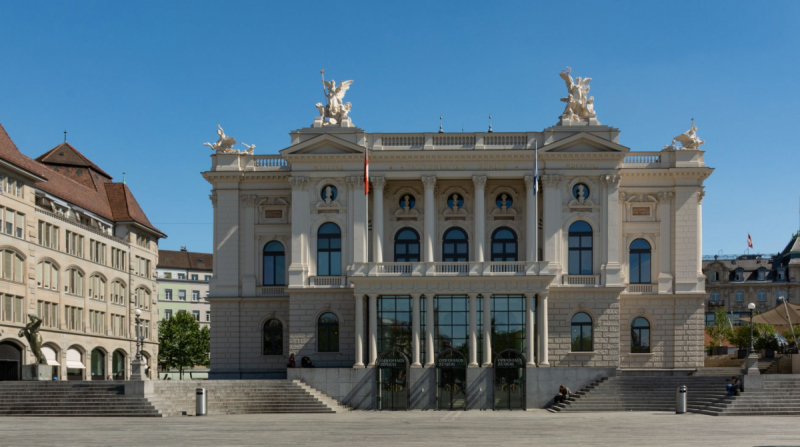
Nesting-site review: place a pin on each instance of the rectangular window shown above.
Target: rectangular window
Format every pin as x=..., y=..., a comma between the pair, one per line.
x=739, y=296
x=181, y=276
x=73, y=317
x=74, y=244
x=118, y=259
x=195, y=295
x=451, y=317
x=97, y=251
x=208, y=277
x=196, y=314
x=715, y=296
x=20, y=227
x=146, y=329
x=48, y=235
x=208, y=316
x=168, y=294
x=762, y=295
x=182, y=295
x=394, y=323
x=97, y=321
x=710, y=318
x=194, y=277
x=167, y=313
x=508, y=323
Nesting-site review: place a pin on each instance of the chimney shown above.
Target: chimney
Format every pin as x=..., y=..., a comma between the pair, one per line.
x=183, y=248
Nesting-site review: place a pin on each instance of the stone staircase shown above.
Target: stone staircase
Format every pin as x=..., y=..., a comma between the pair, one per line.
x=644, y=393
x=780, y=397
x=175, y=398
x=71, y=399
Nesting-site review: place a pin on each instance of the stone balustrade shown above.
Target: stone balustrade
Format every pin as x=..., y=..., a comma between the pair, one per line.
x=472, y=268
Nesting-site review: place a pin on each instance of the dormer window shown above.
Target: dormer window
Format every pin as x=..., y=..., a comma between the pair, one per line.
x=762, y=274
x=781, y=275
x=714, y=276
x=739, y=275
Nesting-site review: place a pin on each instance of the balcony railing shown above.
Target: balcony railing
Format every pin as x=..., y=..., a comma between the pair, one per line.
x=712, y=303
x=581, y=280
x=469, y=141
x=642, y=160
x=271, y=291
x=270, y=163
x=641, y=288
x=521, y=268
x=327, y=281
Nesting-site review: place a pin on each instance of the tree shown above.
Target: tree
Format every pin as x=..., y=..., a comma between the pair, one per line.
x=787, y=334
x=720, y=330
x=182, y=344
x=741, y=336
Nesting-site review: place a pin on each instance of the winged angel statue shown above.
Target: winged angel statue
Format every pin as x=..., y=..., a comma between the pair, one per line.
x=580, y=106
x=336, y=111
x=688, y=140
x=224, y=144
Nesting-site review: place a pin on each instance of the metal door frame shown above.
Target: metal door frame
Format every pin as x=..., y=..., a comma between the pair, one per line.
x=521, y=357
x=464, y=358
x=378, y=369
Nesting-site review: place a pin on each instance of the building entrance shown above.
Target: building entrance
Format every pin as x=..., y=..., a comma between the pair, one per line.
x=10, y=361
x=392, y=376
x=451, y=380
x=509, y=380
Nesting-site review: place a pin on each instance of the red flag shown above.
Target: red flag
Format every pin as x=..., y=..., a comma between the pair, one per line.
x=749, y=241
x=366, y=172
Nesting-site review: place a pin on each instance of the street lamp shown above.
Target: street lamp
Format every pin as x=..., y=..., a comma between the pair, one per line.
x=138, y=313
x=751, y=307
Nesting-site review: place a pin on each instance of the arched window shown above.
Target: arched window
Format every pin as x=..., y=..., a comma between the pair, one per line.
x=97, y=287
x=47, y=275
x=98, y=365
x=504, y=245
x=11, y=268
x=273, y=337
x=455, y=246
x=328, y=333
x=406, y=246
x=118, y=365
x=580, y=248
x=74, y=282
x=640, y=335
x=581, y=332
x=329, y=250
x=640, y=262
x=274, y=264
x=117, y=295
x=142, y=298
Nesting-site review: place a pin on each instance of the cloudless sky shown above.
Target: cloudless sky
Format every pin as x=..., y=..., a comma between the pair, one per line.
x=140, y=86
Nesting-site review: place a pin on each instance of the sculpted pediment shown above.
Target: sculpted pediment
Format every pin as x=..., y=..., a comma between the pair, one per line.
x=582, y=143
x=324, y=144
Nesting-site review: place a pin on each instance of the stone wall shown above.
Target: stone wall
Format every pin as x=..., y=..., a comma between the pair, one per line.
x=305, y=309
x=676, y=331
x=603, y=307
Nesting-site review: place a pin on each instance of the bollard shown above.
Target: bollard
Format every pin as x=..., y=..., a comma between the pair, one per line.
x=680, y=399
x=201, y=402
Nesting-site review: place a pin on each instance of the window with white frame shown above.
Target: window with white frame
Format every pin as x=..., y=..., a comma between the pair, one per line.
x=194, y=277
x=48, y=312
x=48, y=235
x=97, y=251
x=73, y=318
x=195, y=295
x=10, y=266
x=168, y=294
x=47, y=275
x=196, y=315
x=208, y=316
x=74, y=284
x=181, y=295
x=10, y=186
x=74, y=244
x=97, y=322
x=97, y=287
x=117, y=292
x=167, y=314
x=208, y=278
x=12, y=222
x=181, y=276
x=142, y=298
x=118, y=259
x=118, y=328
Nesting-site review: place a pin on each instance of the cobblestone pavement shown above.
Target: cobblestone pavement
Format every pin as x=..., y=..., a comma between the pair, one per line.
x=405, y=429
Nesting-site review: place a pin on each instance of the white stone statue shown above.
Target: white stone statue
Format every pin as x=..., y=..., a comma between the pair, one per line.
x=580, y=106
x=224, y=144
x=687, y=139
x=336, y=110
x=250, y=148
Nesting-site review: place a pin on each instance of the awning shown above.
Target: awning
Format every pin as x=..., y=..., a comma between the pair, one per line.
x=50, y=355
x=780, y=315
x=74, y=359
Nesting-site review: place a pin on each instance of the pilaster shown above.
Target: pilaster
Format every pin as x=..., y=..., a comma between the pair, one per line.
x=552, y=220
x=613, y=268
x=665, y=250
x=429, y=182
x=480, y=216
x=248, y=244
x=378, y=184
x=298, y=270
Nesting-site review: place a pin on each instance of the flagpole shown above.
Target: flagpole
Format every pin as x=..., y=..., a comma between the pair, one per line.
x=366, y=199
x=536, y=202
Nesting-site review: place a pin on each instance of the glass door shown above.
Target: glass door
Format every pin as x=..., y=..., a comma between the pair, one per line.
x=509, y=380
x=451, y=380
x=392, y=381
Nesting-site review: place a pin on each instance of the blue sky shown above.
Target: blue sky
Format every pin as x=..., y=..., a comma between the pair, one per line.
x=141, y=85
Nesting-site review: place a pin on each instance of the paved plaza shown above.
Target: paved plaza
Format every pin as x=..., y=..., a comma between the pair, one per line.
x=406, y=428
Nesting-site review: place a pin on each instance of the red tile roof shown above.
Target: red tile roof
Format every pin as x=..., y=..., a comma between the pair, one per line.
x=112, y=201
x=185, y=260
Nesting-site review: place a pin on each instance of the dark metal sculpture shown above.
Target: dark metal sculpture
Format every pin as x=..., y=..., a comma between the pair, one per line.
x=31, y=333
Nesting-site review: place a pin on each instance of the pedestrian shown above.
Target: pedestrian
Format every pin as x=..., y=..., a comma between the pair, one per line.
x=291, y=363
x=734, y=387
x=563, y=394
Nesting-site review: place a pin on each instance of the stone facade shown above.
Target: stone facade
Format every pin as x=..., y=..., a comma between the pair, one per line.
x=183, y=278
x=85, y=265
x=455, y=197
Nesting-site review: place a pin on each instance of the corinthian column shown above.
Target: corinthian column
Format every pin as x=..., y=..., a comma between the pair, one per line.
x=531, y=221
x=359, y=363
x=479, y=214
x=430, y=216
x=378, y=183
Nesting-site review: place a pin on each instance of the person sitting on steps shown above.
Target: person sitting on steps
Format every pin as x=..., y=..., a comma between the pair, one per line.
x=291, y=363
x=305, y=362
x=735, y=387
x=563, y=394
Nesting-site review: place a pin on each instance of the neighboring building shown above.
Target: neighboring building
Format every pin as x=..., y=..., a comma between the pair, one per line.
x=79, y=252
x=450, y=257
x=183, y=278
x=733, y=282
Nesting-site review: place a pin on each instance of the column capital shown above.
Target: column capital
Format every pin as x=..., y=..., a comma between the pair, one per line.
x=700, y=196
x=213, y=198
x=552, y=180
x=528, y=181
x=248, y=199
x=665, y=196
x=415, y=295
x=473, y=294
x=298, y=182
x=479, y=181
x=429, y=181
x=378, y=183
x=355, y=181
